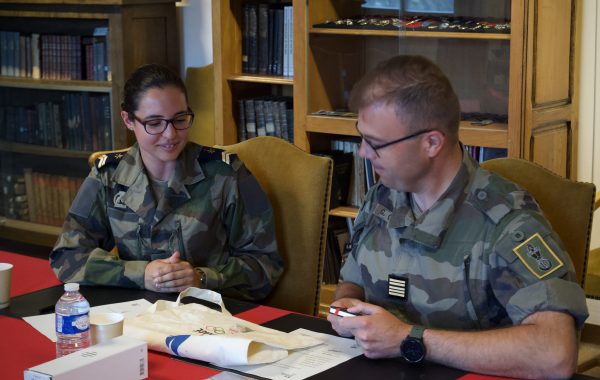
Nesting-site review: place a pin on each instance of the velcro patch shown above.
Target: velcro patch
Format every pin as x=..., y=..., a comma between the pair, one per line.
x=398, y=287
x=537, y=256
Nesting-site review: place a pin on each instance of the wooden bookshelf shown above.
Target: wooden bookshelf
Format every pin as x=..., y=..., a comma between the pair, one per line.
x=541, y=124
x=136, y=32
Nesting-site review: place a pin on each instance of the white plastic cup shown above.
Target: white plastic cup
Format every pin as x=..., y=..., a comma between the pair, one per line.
x=5, y=276
x=105, y=326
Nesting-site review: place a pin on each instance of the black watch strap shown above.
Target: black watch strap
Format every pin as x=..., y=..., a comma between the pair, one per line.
x=417, y=332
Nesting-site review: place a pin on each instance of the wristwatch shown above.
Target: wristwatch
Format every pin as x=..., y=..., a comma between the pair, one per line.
x=412, y=348
x=202, y=275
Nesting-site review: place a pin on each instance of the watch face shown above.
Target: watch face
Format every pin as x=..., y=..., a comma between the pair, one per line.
x=412, y=350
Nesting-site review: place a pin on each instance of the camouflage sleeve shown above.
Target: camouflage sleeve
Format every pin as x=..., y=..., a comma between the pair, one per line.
x=530, y=271
x=254, y=264
x=83, y=251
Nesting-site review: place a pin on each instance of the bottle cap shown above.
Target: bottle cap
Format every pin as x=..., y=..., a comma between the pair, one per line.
x=71, y=286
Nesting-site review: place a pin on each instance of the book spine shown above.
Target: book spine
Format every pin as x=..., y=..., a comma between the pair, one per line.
x=270, y=42
x=3, y=53
x=262, y=39
x=245, y=37
x=291, y=41
x=283, y=120
x=252, y=39
x=250, y=118
x=269, y=119
x=286, y=40
x=30, y=191
x=278, y=42
x=241, y=126
x=259, y=109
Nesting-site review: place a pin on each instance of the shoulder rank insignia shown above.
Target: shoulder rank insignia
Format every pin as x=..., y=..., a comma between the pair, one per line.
x=207, y=153
x=537, y=256
x=109, y=158
x=211, y=154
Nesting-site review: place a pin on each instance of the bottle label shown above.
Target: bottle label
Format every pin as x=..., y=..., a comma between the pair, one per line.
x=72, y=324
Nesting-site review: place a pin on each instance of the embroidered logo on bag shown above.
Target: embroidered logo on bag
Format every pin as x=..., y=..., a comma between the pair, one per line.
x=537, y=256
x=398, y=287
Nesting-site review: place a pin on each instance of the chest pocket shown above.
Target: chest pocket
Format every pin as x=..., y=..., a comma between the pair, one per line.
x=160, y=242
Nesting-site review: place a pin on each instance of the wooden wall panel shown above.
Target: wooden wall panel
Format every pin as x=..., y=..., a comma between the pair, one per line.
x=549, y=147
x=552, y=52
x=153, y=48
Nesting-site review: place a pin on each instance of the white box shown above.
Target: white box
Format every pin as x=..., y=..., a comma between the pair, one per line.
x=118, y=358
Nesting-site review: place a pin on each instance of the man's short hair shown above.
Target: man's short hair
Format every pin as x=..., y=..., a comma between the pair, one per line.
x=420, y=92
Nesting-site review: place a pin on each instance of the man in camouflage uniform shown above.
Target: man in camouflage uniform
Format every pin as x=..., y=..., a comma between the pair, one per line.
x=211, y=214
x=446, y=253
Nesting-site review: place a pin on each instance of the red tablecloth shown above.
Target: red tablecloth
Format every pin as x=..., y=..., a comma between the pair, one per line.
x=22, y=347
x=29, y=273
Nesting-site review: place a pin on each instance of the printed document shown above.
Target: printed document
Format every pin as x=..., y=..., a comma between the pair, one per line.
x=304, y=363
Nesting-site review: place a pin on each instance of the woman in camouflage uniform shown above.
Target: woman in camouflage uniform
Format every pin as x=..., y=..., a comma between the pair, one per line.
x=177, y=214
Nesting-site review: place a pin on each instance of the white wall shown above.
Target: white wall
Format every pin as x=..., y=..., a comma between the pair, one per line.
x=195, y=33
x=589, y=111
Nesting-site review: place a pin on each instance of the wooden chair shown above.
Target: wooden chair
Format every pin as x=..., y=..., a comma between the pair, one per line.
x=592, y=280
x=569, y=207
x=298, y=185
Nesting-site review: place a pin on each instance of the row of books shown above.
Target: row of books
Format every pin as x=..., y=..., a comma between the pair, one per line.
x=13, y=198
x=78, y=121
x=266, y=116
x=38, y=197
x=362, y=176
x=267, y=39
x=53, y=56
x=480, y=153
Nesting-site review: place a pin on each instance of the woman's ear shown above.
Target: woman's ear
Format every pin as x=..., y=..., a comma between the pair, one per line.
x=128, y=123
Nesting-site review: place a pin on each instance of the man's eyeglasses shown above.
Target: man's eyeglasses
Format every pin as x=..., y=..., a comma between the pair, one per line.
x=381, y=146
x=158, y=126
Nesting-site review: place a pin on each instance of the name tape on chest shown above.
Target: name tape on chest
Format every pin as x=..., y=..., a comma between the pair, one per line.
x=398, y=287
x=537, y=256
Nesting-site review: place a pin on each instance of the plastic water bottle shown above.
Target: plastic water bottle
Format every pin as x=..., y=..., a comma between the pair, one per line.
x=72, y=321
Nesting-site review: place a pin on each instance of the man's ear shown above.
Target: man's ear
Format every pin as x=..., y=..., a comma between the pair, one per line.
x=128, y=123
x=435, y=142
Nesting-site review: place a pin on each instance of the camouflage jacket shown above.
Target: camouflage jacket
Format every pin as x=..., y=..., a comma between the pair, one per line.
x=214, y=213
x=482, y=256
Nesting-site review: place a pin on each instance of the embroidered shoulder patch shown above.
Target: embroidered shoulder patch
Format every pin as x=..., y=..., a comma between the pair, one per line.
x=537, y=256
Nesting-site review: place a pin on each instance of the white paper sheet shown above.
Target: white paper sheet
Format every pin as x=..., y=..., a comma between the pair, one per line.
x=45, y=323
x=301, y=364
x=594, y=309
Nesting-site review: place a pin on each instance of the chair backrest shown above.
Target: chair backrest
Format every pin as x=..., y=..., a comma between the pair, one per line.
x=298, y=185
x=568, y=205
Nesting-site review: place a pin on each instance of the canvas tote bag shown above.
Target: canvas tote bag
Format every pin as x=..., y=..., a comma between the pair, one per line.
x=198, y=332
